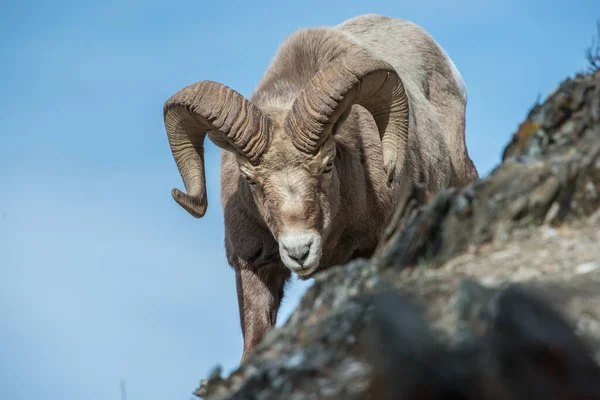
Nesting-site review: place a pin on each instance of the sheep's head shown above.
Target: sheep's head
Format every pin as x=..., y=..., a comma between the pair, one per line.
x=297, y=195
x=288, y=160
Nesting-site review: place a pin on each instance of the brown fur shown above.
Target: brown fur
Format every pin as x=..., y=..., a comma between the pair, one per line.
x=348, y=207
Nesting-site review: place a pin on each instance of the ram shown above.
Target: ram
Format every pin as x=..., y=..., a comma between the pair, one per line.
x=315, y=160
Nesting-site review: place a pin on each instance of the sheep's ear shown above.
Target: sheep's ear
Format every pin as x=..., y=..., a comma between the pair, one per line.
x=408, y=362
x=539, y=354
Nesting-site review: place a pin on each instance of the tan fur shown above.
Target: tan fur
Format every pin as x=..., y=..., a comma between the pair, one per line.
x=350, y=206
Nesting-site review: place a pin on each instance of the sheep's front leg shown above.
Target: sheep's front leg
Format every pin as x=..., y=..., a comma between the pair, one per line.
x=259, y=292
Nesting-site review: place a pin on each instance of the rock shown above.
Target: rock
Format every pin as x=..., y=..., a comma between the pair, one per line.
x=453, y=261
x=586, y=268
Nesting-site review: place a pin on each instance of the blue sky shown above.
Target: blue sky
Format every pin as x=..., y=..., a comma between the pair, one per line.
x=104, y=276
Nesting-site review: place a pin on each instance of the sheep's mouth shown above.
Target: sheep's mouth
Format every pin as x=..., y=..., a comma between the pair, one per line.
x=304, y=271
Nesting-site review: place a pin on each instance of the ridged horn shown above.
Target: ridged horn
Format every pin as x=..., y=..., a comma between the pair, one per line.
x=210, y=106
x=356, y=78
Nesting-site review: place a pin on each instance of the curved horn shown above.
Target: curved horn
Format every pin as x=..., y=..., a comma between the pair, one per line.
x=210, y=106
x=356, y=78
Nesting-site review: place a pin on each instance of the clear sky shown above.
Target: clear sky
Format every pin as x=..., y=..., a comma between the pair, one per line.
x=103, y=276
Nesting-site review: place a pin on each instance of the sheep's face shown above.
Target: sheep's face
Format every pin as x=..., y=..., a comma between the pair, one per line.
x=297, y=195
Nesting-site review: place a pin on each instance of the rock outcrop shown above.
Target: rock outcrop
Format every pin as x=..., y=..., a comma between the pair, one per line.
x=533, y=221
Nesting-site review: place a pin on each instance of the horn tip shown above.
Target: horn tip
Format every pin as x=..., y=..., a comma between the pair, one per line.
x=195, y=206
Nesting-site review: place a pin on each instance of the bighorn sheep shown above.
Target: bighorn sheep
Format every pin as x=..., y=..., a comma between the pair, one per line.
x=313, y=163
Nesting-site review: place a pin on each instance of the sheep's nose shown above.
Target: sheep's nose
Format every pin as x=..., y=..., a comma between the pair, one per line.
x=298, y=251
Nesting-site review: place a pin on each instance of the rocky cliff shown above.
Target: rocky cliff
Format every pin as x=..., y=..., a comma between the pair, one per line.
x=451, y=262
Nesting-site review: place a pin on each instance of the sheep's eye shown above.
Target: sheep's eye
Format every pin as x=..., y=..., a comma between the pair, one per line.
x=328, y=167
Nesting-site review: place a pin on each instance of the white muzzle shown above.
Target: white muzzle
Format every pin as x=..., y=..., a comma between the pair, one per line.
x=300, y=251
